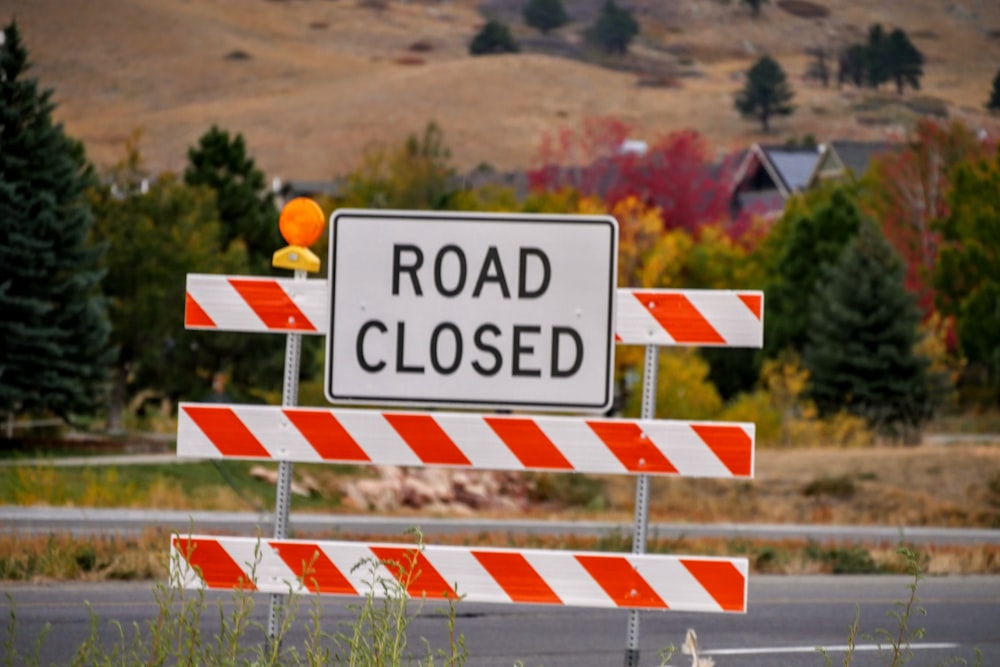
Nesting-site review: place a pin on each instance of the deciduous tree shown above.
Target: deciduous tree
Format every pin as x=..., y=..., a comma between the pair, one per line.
x=908, y=189
x=416, y=175
x=676, y=173
x=967, y=276
x=766, y=93
x=54, y=351
x=159, y=233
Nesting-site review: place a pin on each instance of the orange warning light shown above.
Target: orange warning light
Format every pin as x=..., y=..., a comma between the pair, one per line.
x=301, y=222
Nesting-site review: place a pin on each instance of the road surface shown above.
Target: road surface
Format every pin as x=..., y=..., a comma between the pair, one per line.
x=788, y=618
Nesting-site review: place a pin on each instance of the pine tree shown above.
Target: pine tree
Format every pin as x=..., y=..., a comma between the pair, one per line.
x=494, y=38
x=766, y=94
x=877, y=57
x=614, y=29
x=860, y=351
x=245, y=203
x=53, y=323
x=993, y=104
x=905, y=62
x=545, y=15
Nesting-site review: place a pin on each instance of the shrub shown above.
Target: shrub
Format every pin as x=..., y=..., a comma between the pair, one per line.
x=494, y=38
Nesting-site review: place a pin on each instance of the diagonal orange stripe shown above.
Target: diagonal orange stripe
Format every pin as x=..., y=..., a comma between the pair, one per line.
x=754, y=302
x=621, y=581
x=195, y=315
x=216, y=567
x=528, y=443
x=722, y=580
x=272, y=304
x=678, y=316
x=229, y=435
x=514, y=574
x=314, y=568
x=636, y=452
x=731, y=444
x=327, y=435
x=412, y=569
x=427, y=440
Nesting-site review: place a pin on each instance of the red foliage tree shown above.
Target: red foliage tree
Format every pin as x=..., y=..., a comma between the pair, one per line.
x=675, y=174
x=910, y=190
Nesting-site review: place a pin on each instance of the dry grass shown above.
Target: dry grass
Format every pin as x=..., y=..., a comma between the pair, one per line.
x=318, y=81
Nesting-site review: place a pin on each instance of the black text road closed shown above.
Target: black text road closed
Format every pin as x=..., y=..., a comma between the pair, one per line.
x=480, y=310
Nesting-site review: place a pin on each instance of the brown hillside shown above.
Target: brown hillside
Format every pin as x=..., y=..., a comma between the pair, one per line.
x=310, y=83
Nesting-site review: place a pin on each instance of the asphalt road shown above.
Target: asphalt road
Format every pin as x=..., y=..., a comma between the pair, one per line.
x=788, y=619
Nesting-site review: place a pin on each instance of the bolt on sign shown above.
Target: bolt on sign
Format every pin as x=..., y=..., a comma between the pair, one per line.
x=469, y=309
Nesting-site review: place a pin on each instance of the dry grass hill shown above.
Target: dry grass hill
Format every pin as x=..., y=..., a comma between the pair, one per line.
x=311, y=83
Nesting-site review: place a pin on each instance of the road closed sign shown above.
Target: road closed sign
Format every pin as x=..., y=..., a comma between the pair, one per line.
x=499, y=311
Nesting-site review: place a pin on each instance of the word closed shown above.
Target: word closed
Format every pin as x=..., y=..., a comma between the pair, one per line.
x=471, y=309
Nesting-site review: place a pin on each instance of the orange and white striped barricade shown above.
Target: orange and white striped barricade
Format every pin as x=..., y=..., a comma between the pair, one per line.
x=464, y=440
x=522, y=576
x=665, y=317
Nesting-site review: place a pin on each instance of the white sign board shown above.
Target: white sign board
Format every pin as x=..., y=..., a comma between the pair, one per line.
x=469, y=309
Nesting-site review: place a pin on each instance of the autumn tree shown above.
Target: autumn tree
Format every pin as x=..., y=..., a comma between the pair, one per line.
x=493, y=38
x=860, y=349
x=545, y=15
x=676, y=173
x=245, y=204
x=614, y=29
x=416, y=175
x=54, y=329
x=967, y=275
x=766, y=93
x=908, y=189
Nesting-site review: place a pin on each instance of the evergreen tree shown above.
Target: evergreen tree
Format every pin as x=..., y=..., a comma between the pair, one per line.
x=810, y=242
x=754, y=6
x=905, y=62
x=545, y=15
x=245, y=203
x=614, y=29
x=860, y=351
x=852, y=64
x=877, y=56
x=766, y=94
x=54, y=352
x=993, y=104
x=494, y=38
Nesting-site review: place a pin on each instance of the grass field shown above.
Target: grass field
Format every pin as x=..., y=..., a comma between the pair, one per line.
x=312, y=83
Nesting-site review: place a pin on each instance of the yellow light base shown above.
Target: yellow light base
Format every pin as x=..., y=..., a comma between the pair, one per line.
x=296, y=257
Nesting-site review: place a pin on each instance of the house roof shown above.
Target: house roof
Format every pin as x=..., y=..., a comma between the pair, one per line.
x=789, y=167
x=841, y=157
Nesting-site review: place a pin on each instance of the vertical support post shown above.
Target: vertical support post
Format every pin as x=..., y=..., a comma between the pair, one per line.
x=649, y=382
x=289, y=398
